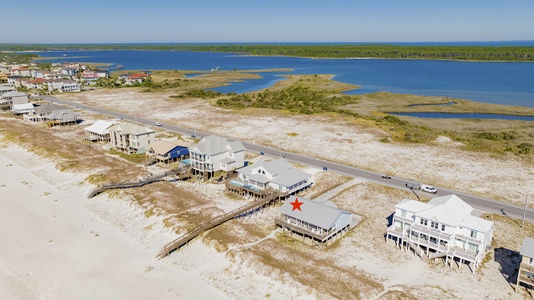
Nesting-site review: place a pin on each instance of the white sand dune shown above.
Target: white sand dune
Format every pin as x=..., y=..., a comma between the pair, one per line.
x=53, y=247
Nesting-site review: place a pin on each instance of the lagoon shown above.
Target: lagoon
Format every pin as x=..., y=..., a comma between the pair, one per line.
x=508, y=83
x=437, y=115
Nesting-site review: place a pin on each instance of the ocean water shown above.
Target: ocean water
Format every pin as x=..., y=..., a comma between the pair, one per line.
x=509, y=83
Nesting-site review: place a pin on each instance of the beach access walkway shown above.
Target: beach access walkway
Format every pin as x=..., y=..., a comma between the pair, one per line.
x=179, y=173
x=243, y=211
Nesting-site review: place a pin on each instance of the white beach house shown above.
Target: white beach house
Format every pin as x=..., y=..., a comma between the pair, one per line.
x=99, y=131
x=130, y=137
x=443, y=227
x=526, y=267
x=214, y=153
x=277, y=174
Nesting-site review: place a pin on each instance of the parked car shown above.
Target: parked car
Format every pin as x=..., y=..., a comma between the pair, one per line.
x=158, y=124
x=428, y=189
x=386, y=176
x=413, y=185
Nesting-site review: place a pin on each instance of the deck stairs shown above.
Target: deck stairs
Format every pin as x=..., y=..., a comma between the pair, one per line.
x=417, y=249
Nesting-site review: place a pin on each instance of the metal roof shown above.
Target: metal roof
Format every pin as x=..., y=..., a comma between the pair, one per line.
x=449, y=210
x=280, y=170
x=163, y=147
x=101, y=126
x=211, y=145
x=315, y=213
x=129, y=128
x=528, y=247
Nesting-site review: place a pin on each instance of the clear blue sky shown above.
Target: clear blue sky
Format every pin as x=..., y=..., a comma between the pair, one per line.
x=121, y=21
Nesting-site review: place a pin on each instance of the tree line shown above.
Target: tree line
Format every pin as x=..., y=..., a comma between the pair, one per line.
x=478, y=53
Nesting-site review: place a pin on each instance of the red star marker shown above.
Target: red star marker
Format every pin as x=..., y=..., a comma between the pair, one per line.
x=296, y=204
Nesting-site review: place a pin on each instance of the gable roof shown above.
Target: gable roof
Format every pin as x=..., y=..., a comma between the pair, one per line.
x=101, y=126
x=212, y=144
x=318, y=214
x=14, y=94
x=280, y=169
x=452, y=202
x=290, y=177
x=449, y=210
x=528, y=247
x=129, y=128
x=163, y=147
x=48, y=108
x=22, y=106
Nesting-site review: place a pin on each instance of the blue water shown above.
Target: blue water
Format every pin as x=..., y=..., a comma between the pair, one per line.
x=509, y=83
x=462, y=116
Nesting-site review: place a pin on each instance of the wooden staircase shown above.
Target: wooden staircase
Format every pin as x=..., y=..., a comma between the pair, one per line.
x=417, y=249
x=242, y=211
x=180, y=173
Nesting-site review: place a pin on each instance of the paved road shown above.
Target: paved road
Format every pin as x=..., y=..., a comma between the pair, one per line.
x=480, y=203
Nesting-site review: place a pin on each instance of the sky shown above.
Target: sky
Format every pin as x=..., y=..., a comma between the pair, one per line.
x=178, y=21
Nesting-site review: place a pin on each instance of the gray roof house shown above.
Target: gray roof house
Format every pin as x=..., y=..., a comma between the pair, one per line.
x=277, y=174
x=442, y=228
x=318, y=223
x=130, y=137
x=215, y=153
x=53, y=114
x=526, y=267
x=8, y=99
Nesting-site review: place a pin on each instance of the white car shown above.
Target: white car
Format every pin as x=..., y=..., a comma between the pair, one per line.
x=428, y=189
x=158, y=124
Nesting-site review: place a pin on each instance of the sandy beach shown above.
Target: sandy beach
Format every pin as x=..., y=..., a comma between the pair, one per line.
x=56, y=246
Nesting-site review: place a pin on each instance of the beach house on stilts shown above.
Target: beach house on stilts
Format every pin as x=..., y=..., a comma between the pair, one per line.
x=526, y=267
x=316, y=223
x=442, y=228
x=213, y=154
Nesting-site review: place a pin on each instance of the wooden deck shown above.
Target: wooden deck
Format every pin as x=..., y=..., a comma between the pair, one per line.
x=179, y=173
x=242, y=211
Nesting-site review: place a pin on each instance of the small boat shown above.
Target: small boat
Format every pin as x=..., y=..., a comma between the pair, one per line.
x=65, y=54
x=118, y=67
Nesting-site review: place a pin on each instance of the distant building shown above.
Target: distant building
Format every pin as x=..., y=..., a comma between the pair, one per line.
x=21, y=109
x=526, y=267
x=131, y=138
x=136, y=78
x=443, y=227
x=7, y=100
x=6, y=87
x=314, y=222
x=214, y=153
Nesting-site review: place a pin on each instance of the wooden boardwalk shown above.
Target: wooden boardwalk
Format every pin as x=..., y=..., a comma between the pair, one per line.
x=180, y=173
x=242, y=211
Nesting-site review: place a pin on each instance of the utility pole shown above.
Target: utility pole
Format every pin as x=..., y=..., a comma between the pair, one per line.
x=524, y=212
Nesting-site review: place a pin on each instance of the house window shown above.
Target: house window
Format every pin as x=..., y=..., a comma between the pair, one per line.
x=434, y=225
x=471, y=246
x=403, y=213
x=473, y=234
x=531, y=260
x=442, y=227
x=424, y=222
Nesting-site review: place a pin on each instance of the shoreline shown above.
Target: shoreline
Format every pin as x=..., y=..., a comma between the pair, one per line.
x=49, y=224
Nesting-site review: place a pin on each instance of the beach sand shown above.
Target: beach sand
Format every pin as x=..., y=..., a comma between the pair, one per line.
x=54, y=245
